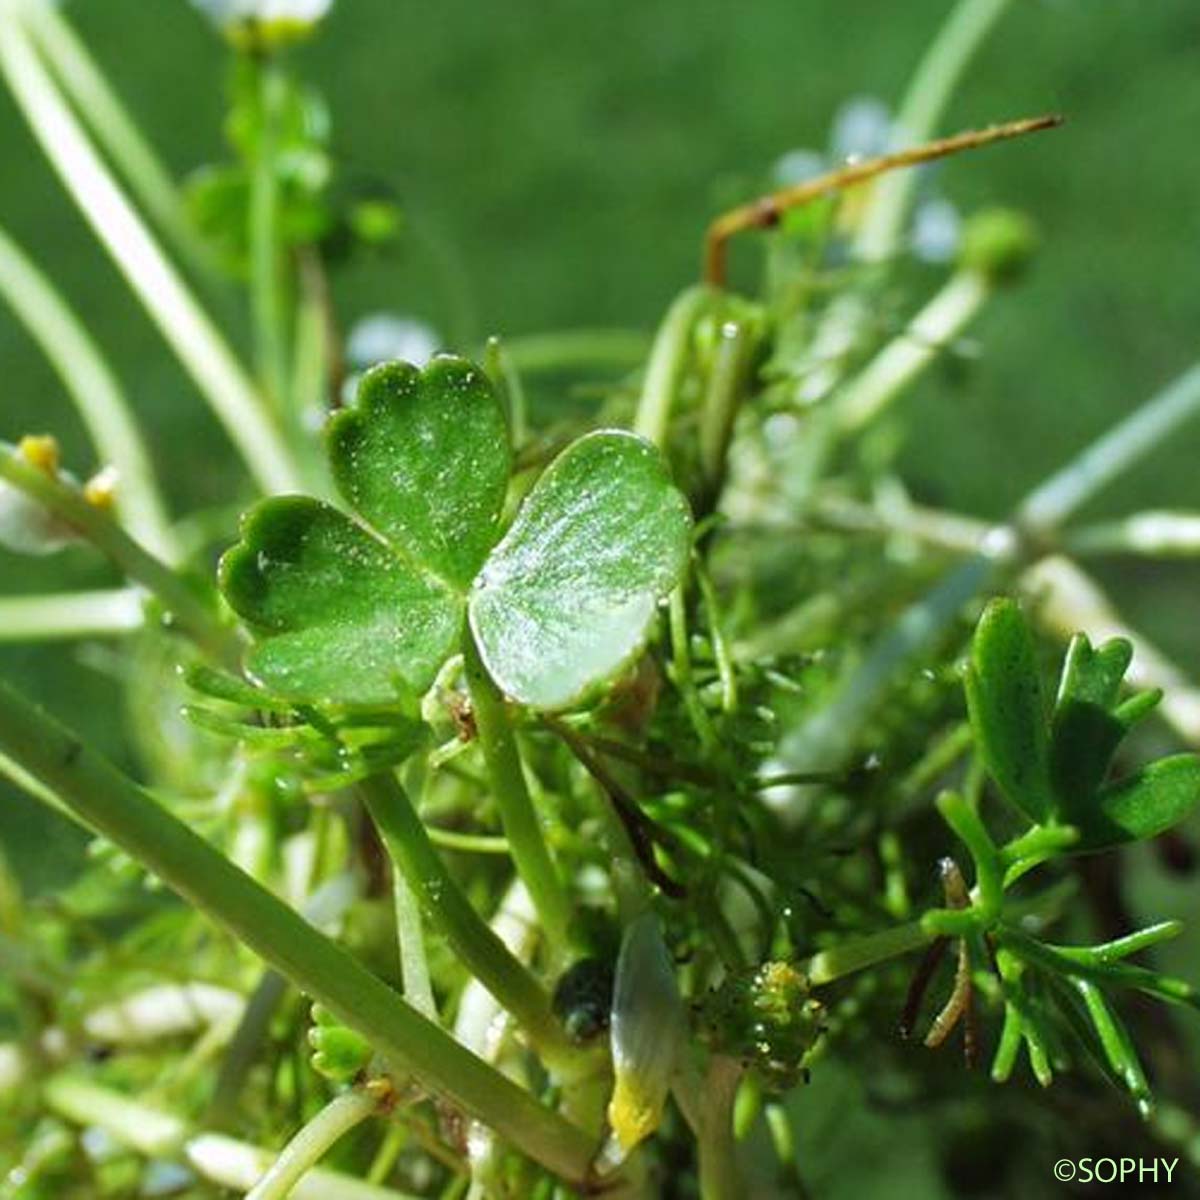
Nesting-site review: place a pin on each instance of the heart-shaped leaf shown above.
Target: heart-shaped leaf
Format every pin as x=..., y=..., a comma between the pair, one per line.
x=1008, y=716
x=424, y=458
x=565, y=599
x=1140, y=806
x=339, y=615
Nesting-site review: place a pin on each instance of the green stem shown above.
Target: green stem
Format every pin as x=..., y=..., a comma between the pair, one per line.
x=443, y=901
x=414, y=968
x=828, y=965
x=1151, y=534
x=221, y=1160
x=117, y=808
x=115, y=129
x=66, y=503
x=313, y=1142
x=184, y=325
x=90, y=383
x=722, y=400
x=521, y=824
x=619, y=348
x=668, y=363
x=1046, y=507
x=903, y=359
x=266, y=260
x=70, y=615
x=933, y=84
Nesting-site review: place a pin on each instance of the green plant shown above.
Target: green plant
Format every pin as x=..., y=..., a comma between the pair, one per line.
x=575, y=786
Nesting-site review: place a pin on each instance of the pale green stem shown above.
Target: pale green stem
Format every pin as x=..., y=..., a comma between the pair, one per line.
x=906, y=357
x=522, y=826
x=443, y=902
x=89, y=381
x=618, y=348
x=933, y=84
x=117, y=132
x=859, y=953
x=117, y=808
x=184, y=325
x=1148, y=534
x=1121, y=448
x=266, y=259
x=668, y=363
x=722, y=399
x=70, y=615
x=313, y=1142
x=720, y=1178
x=98, y=527
x=414, y=969
x=221, y=1160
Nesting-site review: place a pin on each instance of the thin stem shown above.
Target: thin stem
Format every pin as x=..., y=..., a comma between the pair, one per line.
x=70, y=615
x=619, y=348
x=933, y=84
x=1149, y=426
x=722, y=400
x=68, y=504
x=117, y=132
x=668, y=363
x=89, y=381
x=443, y=901
x=266, y=260
x=838, y=961
x=156, y=1134
x=1152, y=534
x=313, y=1142
x=903, y=359
x=414, y=969
x=117, y=808
x=521, y=824
x=184, y=325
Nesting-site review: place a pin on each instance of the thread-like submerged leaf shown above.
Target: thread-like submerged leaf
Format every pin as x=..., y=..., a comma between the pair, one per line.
x=1004, y=697
x=565, y=599
x=338, y=614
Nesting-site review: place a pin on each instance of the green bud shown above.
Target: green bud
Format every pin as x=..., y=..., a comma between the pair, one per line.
x=998, y=243
x=339, y=1053
x=766, y=1017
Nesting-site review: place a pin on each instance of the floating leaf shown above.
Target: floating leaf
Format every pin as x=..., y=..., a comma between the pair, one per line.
x=1142, y=805
x=1004, y=697
x=424, y=458
x=565, y=599
x=339, y=614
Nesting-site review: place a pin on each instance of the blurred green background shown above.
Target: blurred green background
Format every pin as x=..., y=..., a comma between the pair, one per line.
x=558, y=163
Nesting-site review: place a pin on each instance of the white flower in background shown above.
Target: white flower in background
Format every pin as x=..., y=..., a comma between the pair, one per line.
x=936, y=231
x=798, y=166
x=862, y=128
x=382, y=337
x=266, y=21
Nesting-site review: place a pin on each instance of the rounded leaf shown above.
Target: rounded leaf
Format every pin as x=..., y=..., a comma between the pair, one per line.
x=339, y=615
x=423, y=457
x=565, y=600
x=1141, y=805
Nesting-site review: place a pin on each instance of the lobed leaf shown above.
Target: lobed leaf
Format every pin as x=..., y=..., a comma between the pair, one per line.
x=565, y=599
x=339, y=614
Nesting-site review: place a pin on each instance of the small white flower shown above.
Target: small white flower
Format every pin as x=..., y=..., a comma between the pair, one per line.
x=275, y=20
x=862, y=128
x=936, y=231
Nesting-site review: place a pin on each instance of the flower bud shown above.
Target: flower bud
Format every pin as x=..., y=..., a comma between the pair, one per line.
x=264, y=24
x=27, y=527
x=339, y=1053
x=999, y=244
x=647, y=1032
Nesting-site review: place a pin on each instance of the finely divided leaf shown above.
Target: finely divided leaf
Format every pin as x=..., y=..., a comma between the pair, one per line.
x=565, y=599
